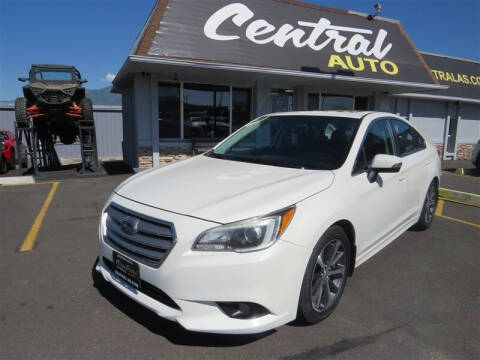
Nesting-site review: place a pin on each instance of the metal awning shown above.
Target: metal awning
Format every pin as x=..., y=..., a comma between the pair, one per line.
x=191, y=70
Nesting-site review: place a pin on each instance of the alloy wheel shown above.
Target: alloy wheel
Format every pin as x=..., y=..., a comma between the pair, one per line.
x=430, y=203
x=328, y=275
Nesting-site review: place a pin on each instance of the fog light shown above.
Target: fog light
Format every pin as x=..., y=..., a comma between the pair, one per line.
x=242, y=310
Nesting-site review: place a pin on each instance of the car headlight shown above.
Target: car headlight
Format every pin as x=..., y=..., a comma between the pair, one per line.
x=70, y=91
x=36, y=91
x=103, y=224
x=248, y=235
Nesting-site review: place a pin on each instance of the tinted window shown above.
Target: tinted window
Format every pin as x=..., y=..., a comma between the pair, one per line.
x=313, y=101
x=241, y=100
x=3, y=136
x=378, y=140
x=206, y=111
x=282, y=100
x=169, y=110
x=408, y=139
x=311, y=142
x=361, y=103
x=337, y=102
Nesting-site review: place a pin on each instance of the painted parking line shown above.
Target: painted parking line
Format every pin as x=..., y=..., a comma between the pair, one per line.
x=439, y=209
x=29, y=241
x=439, y=213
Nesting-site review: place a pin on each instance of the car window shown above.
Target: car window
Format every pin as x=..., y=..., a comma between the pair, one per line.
x=378, y=140
x=408, y=139
x=297, y=141
x=3, y=136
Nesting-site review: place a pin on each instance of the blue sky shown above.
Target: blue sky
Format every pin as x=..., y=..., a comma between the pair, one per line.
x=96, y=35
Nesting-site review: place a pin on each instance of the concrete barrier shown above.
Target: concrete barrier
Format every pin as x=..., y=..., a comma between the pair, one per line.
x=460, y=197
x=17, y=180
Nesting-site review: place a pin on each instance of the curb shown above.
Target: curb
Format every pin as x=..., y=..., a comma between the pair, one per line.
x=17, y=180
x=460, y=197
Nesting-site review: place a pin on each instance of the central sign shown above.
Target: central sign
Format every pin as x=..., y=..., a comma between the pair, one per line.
x=283, y=34
x=315, y=35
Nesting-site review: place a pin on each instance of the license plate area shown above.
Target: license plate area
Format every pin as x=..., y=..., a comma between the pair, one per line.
x=127, y=269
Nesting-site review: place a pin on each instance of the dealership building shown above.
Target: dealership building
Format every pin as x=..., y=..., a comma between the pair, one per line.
x=200, y=70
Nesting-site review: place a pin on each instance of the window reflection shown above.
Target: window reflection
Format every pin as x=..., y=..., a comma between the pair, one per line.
x=241, y=101
x=313, y=101
x=206, y=111
x=169, y=110
x=282, y=100
x=337, y=102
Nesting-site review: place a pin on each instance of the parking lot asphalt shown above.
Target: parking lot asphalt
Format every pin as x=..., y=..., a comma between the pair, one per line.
x=419, y=298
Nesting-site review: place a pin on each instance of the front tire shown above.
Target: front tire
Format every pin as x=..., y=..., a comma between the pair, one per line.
x=325, y=277
x=428, y=208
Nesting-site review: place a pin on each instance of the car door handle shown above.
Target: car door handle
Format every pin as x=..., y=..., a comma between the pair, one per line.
x=428, y=162
x=401, y=178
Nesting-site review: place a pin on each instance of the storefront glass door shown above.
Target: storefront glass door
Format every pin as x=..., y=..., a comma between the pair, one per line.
x=337, y=102
x=282, y=100
x=206, y=111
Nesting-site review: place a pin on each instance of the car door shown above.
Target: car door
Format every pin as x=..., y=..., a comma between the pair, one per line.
x=411, y=147
x=380, y=205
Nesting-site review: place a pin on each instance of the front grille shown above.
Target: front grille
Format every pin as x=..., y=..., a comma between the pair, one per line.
x=149, y=290
x=150, y=240
x=54, y=97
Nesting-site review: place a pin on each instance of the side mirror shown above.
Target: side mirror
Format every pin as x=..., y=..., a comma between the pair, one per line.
x=82, y=81
x=383, y=163
x=22, y=79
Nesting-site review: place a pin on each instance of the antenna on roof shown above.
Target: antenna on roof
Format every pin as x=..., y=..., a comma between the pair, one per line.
x=377, y=8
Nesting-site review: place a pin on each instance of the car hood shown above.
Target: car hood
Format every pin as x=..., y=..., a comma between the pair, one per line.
x=223, y=191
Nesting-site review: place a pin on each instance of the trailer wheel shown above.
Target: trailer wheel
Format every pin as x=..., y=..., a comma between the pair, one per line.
x=21, y=111
x=87, y=109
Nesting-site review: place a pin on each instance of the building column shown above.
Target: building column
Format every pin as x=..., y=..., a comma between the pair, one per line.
x=299, y=99
x=154, y=120
x=262, y=103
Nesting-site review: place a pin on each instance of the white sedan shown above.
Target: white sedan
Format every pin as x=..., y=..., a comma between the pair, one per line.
x=267, y=227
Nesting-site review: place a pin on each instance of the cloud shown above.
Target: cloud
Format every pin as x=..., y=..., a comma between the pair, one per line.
x=109, y=77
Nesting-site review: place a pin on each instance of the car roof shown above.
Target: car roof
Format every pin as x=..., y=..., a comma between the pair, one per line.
x=336, y=113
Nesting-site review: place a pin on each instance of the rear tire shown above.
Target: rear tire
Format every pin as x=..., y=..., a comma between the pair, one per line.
x=325, y=277
x=428, y=208
x=21, y=111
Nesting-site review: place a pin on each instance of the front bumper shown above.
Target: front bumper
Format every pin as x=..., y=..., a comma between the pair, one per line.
x=196, y=280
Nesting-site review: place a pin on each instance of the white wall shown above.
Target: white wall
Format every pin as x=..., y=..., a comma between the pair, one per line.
x=429, y=118
x=468, y=131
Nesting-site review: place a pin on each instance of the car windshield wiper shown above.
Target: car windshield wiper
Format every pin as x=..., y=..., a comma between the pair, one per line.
x=259, y=160
x=215, y=155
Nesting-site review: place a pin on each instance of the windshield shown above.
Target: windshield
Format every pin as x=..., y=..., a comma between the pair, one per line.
x=3, y=136
x=297, y=141
x=53, y=75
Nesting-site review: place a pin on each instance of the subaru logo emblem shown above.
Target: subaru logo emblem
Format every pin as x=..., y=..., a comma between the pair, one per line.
x=129, y=225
